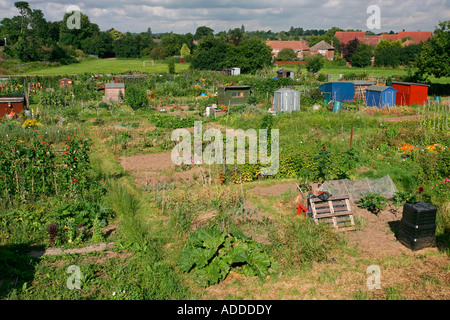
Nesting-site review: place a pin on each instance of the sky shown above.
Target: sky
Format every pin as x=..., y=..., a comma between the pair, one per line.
x=183, y=16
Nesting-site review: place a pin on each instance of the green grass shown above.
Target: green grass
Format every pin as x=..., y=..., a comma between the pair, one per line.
x=115, y=66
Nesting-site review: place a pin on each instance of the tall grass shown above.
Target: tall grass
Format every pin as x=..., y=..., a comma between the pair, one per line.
x=300, y=242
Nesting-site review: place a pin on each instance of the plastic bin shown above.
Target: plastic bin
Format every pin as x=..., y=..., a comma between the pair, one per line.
x=418, y=226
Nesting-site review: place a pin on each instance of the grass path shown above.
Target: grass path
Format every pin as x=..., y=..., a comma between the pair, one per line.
x=107, y=66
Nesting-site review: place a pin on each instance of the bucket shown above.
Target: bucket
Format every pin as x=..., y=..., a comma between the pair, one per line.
x=337, y=107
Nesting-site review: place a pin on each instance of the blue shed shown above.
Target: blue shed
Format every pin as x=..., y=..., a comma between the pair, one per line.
x=338, y=91
x=380, y=96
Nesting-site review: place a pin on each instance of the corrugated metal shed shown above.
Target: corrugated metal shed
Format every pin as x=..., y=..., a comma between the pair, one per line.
x=286, y=100
x=380, y=96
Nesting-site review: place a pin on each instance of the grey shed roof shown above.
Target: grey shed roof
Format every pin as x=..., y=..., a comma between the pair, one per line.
x=286, y=90
x=379, y=88
x=410, y=83
x=114, y=85
x=363, y=83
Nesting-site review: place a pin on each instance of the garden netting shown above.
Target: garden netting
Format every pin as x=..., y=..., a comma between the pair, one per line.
x=356, y=189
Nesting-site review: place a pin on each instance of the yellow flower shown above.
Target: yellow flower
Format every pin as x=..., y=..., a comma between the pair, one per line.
x=20, y=219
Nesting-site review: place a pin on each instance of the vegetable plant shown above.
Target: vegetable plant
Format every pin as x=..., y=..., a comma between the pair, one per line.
x=372, y=202
x=211, y=254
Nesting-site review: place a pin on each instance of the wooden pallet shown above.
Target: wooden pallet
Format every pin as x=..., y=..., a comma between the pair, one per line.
x=335, y=211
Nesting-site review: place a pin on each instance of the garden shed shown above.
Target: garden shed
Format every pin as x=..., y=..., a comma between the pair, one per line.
x=410, y=93
x=360, y=88
x=380, y=96
x=113, y=91
x=10, y=103
x=233, y=95
x=286, y=100
x=282, y=73
x=340, y=91
x=65, y=83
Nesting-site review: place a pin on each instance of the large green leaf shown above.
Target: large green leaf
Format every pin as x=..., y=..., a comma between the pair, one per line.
x=260, y=264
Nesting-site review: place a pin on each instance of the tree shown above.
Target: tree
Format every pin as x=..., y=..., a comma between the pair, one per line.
x=349, y=49
x=202, y=32
x=25, y=12
x=172, y=42
x=210, y=54
x=287, y=54
x=235, y=36
x=435, y=56
x=185, y=52
x=315, y=63
x=253, y=54
x=388, y=53
x=362, y=56
x=74, y=37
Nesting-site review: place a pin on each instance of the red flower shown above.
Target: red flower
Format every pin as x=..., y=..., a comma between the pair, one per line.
x=421, y=189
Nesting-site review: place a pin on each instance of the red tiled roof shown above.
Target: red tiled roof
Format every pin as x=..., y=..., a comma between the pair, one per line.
x=392, y=37
x=296, y=45
x=407, y=43
x=415, y=36
x=346, y=36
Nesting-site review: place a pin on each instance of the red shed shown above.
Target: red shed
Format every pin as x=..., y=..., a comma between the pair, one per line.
x=10, y=103
x=410, y=93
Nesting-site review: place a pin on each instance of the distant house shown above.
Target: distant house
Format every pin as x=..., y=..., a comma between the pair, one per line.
x=380, y=96
x=415, y=36
x=323, y=48
x=410, y=93
x=65, y=83
x=12, y=103
x=114, y=92
x=233, y=95
x=300, y=47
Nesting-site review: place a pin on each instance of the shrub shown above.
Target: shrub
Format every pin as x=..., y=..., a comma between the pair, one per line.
x=136, y=96
x=372, y=202
x=315, y=63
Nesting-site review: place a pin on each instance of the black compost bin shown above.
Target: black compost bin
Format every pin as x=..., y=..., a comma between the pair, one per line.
x=418, y=226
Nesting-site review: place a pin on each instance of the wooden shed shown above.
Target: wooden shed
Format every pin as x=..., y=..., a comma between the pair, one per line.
x=410, y=93
x=65, y=83
x=360, y=88
x=282, y=73
x=9, y=103
x=233, y=95
x=380, y=96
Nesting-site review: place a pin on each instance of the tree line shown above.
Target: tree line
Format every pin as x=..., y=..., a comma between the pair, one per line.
x=28, y=36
